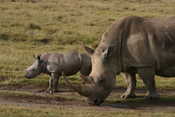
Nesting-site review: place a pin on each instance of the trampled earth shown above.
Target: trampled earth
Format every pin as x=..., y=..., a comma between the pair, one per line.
x=28, y=96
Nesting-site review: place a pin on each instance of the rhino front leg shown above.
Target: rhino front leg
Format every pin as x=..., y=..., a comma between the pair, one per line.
x=147, y=75
x=130, y=79
x=53, y=83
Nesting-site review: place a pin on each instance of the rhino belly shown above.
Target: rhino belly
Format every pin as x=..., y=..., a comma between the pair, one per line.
x=168, y=72
x=71, y=70
x=71, y=67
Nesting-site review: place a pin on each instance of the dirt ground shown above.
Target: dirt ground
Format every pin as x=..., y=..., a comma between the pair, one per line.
x=67, y=97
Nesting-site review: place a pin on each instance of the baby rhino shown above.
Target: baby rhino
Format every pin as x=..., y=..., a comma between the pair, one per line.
x=54, y=64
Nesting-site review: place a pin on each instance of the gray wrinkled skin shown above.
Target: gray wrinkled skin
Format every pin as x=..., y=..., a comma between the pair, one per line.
x=54, y=64
x=132, y=45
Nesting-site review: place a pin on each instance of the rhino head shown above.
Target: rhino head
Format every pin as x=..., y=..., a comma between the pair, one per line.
x=101, y=78
x=35, y=69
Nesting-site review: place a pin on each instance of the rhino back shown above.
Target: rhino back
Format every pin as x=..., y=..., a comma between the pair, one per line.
x=55, y=62
x=152, y=43
x=139, y=42
x=71, y=63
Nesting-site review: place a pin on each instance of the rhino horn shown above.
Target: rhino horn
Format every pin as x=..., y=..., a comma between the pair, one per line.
x=85, y=90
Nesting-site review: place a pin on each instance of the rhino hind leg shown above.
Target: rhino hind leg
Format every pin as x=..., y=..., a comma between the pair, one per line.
x=130, y=79
x=53, y=83
x=147, y=75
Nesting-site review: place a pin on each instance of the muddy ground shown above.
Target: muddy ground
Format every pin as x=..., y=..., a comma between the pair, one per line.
x=67, y=97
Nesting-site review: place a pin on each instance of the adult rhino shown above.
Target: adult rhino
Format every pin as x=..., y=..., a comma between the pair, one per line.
x=131, y=45
x=54, y=64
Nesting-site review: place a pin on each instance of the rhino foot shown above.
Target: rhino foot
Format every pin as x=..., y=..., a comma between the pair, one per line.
x=51, y=91
x=152, y=97
x=127, y=96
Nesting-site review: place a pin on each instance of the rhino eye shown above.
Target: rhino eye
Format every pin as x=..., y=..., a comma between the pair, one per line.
x=101, y=81
x=40, y=62
x=103, y=50
x=33, y=70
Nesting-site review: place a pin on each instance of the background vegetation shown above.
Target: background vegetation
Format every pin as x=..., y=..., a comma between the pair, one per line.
x=30, y=27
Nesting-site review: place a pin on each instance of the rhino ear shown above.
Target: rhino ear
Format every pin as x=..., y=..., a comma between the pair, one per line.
x=89, y=50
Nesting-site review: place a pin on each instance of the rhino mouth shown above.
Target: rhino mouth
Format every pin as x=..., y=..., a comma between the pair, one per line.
x=27, y=76
x=89, y=90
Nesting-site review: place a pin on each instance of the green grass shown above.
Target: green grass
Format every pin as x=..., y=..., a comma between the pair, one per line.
x=56, y=26
x=13, y=111
x=28, y=28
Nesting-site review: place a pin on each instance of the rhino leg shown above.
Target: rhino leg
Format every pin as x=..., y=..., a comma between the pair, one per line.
x=147, y=75
x=130, y=79
x=53, y=83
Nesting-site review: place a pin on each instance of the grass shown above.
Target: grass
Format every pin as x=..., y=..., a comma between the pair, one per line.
x=72, y=111
x=28, y=28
